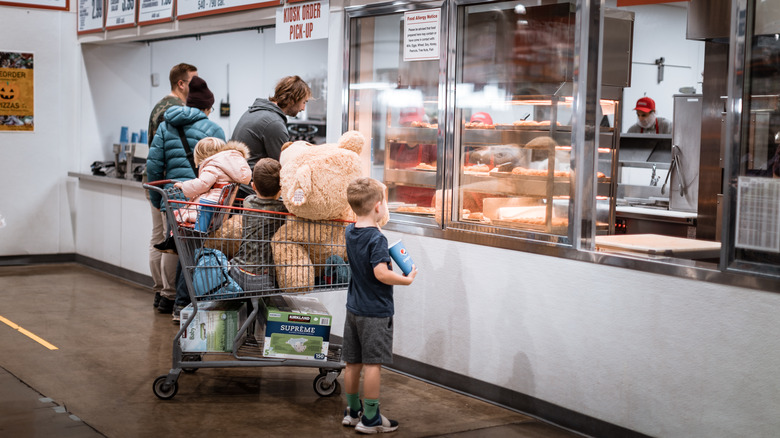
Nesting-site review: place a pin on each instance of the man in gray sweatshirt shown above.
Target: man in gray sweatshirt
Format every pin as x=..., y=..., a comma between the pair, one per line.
x=263, y=127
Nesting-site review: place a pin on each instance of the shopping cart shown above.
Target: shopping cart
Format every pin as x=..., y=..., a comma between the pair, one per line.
x=224, y=252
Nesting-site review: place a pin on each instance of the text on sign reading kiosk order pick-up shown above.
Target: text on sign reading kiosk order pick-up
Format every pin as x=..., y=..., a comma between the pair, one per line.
x=302, y=13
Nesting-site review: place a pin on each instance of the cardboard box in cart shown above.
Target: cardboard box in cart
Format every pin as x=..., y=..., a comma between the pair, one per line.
x=214, y=327
x=294, y=327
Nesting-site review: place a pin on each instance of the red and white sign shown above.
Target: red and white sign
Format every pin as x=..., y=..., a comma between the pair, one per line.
x=421, y=35
x=621, y=3
x=297, y=22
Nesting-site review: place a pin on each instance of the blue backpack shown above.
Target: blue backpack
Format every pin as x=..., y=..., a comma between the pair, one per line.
x=211, y=275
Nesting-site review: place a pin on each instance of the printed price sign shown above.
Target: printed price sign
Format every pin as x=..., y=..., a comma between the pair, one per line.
x=90, y=16
x=155, y=11
x=421, y=35
x=120, y=13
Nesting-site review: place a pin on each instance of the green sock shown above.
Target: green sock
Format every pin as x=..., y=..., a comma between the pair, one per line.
x=353, y=401
x=370, y=408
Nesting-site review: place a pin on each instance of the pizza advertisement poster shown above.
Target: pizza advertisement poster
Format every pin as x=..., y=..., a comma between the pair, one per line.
x=16, y=91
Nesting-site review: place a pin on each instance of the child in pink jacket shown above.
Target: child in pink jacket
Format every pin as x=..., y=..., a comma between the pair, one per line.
x=219, y=164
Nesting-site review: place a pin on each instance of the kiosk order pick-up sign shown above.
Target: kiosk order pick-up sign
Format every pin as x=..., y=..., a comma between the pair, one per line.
x=302, y=22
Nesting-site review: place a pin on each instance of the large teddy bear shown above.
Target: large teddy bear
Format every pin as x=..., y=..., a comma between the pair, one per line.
x=314, y=182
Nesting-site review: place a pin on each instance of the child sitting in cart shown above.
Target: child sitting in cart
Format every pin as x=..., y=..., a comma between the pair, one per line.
x=252, y=267
x=219, y=164
x=368, y=329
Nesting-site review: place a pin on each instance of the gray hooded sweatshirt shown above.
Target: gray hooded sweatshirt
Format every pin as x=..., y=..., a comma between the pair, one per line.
x=263, y=128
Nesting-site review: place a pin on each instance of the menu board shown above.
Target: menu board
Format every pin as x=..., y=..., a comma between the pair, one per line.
x=90, y=16
x=198, y=8
x=61, y=5
x=120, y=13
x=155, y=11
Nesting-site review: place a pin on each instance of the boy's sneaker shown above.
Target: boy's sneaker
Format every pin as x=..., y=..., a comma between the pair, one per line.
x=378, y=424
x=156, y=299
x=351, y=417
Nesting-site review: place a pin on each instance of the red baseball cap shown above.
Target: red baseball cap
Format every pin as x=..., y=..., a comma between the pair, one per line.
x=645, y=105
x=482, y=118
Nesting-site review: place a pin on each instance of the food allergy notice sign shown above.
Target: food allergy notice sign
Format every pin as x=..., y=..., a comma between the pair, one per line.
x=421, y=35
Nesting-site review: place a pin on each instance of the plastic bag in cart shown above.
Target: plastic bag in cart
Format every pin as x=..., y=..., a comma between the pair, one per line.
x=211, y=275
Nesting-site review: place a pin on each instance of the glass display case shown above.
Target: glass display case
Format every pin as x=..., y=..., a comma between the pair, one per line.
x=480, y=135
x=513, y=117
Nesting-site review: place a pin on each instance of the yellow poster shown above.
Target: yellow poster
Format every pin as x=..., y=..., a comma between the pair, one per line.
x=16, y=92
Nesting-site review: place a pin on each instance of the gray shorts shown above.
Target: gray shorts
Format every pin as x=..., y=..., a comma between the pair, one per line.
x=367, y=340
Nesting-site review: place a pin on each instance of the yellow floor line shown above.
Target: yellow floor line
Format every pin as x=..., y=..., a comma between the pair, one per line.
x=28, y=333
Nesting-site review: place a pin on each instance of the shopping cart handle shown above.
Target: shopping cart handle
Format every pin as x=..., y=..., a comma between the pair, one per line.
x=157, y=186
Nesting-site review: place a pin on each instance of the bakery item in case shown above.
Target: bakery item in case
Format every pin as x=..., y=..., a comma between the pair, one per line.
x=415, y=209
x=481, y=168
x=425, y=166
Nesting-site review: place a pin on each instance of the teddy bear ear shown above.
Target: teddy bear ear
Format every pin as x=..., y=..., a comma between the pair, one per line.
x=352, y=140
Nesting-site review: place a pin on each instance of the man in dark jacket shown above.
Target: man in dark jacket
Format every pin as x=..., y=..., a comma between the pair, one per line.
x=263, y=127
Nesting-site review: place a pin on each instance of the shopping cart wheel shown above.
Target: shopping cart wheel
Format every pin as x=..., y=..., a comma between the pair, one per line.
x=325, y=371
x=163, y=391
x=191, y=358
x=323, y=388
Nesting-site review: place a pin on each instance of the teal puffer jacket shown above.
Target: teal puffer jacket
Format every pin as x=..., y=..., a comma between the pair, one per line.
x=167, y=158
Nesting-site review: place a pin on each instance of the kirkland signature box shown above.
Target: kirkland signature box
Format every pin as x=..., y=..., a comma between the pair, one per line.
x=294, y=327
x=214, y=327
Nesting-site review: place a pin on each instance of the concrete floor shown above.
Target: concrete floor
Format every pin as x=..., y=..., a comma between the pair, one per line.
x=111, y=345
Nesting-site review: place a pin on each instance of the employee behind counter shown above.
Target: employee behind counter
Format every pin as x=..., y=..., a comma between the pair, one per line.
x=647, y=121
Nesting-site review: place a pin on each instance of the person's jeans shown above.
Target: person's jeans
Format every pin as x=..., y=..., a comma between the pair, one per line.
x=182, y=294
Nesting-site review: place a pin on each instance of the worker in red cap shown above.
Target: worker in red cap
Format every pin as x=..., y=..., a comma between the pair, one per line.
x=647, y=122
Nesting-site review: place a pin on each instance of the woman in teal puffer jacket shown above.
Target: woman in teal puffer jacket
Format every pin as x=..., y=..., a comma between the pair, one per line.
x=167, y=158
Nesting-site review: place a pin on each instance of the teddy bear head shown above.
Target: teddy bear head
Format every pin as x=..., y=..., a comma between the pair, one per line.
x=314, y=178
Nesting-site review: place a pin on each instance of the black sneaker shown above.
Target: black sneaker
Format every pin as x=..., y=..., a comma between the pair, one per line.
x=378, y=424
x=156, y=299
x=168, y=245
x=165, y=306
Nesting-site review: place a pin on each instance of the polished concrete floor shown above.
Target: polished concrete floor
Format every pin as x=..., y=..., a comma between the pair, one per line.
x=111, y=345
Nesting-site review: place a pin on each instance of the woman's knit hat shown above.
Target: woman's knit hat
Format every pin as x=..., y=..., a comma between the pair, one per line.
x=200, y=96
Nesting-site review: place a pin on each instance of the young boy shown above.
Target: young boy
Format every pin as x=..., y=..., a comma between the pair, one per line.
x=254, y=262
x=368, y=330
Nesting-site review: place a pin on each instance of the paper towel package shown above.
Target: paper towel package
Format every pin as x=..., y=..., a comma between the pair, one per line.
x=215, y=326
x=294, y=327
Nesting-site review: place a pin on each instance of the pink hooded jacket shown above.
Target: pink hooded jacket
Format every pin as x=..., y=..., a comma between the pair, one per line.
x=225, y=167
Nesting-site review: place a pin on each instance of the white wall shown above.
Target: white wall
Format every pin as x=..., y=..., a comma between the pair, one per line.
x=659, y=32
x=33, y=196
x=660, y=355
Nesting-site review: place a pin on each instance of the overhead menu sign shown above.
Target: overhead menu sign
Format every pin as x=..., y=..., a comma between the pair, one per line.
x=90, y=16
x=302, y=22
x=155, y=11
x=120, y=13
x=199, y=8
x=61, y=5
x=421, y=35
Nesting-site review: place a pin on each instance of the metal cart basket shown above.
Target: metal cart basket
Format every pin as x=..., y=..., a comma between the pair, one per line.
x=226, y=254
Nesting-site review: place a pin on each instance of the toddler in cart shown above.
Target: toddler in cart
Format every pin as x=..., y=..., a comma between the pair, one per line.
x=219, y=164
x=252, y=267
x=368, y=329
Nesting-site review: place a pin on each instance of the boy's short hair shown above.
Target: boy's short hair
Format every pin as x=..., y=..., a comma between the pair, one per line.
x=207, y=147
x=363, y=193
x=180, y=72
x=265, y=176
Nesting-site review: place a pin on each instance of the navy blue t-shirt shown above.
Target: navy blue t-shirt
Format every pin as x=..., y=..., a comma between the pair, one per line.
x=367, y=296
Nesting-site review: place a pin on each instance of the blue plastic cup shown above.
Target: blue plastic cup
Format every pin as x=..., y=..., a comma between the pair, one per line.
x=123, y=134
x=144, y=138
x=205, y=213
x=134, y=138
x=401, y=257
